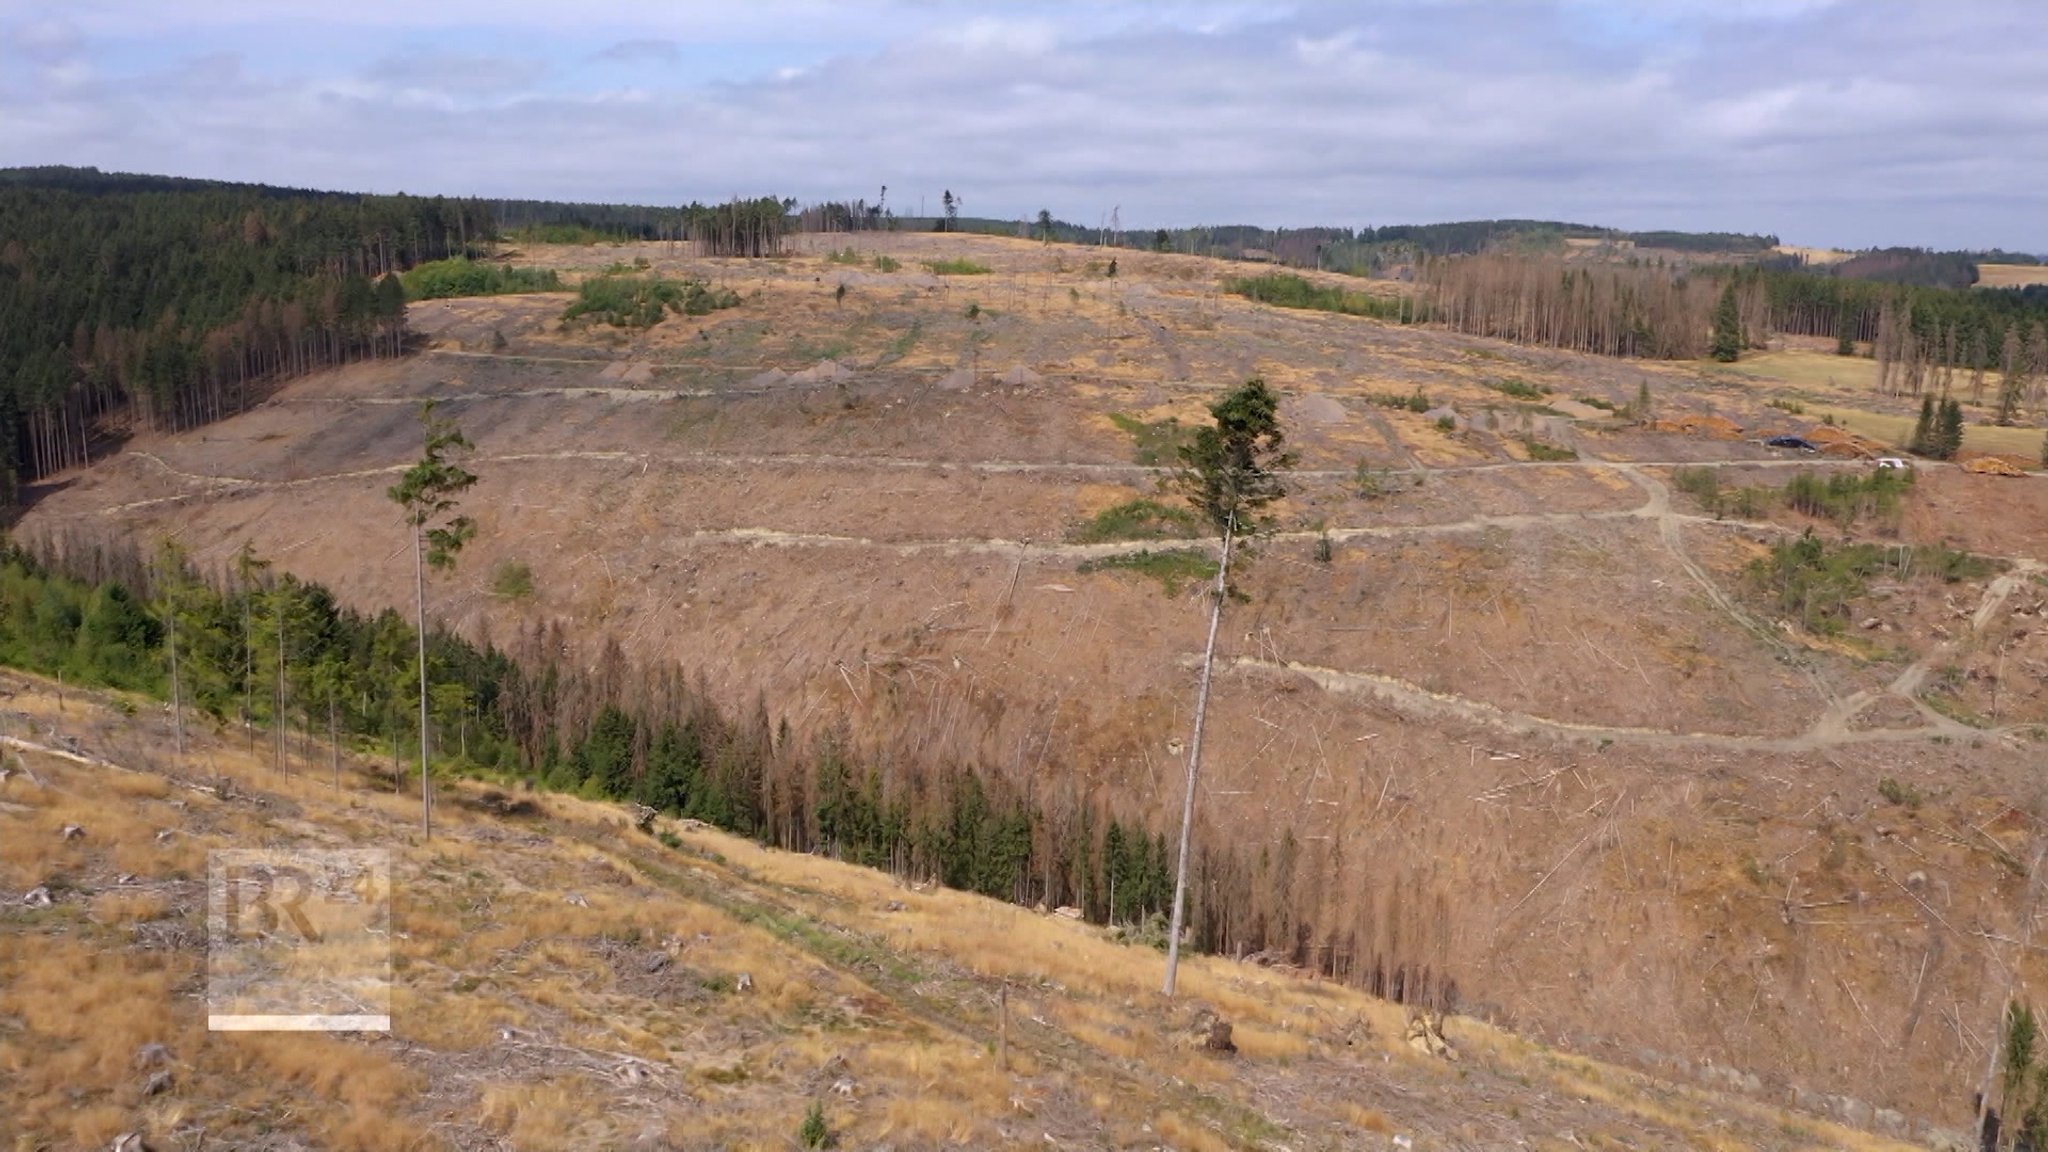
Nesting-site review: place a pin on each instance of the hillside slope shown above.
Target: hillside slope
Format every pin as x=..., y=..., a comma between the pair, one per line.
x=563, y=981
x=1530, y=742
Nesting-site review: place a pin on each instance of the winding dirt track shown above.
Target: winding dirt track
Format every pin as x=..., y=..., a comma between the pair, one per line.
x=1832, y=728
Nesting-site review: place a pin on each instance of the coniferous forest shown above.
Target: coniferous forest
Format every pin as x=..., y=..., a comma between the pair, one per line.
x=139, y=301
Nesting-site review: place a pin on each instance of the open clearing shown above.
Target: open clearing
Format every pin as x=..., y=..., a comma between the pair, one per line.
x=1532, y=726
x=2011, y=275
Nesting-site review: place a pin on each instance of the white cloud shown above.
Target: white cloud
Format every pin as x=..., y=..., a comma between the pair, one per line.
x=1873, y=122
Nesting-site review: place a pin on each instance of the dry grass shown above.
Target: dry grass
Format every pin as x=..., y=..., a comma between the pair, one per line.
x=1367, y=1119
x=1184, y=1133
x=1821, y=256
x=1989, y=438
x=537, y=1115
x=2011, y=275
x=489, y=946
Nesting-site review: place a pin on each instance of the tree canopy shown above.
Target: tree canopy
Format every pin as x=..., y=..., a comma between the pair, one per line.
x=1230, y=470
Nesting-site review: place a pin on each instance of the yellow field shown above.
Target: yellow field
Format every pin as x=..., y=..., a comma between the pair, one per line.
x=2011, y=275
x=1815, y=255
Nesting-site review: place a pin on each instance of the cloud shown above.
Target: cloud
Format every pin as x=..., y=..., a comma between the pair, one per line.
x=455, y=73
x=652, y=50
x=1861, y=123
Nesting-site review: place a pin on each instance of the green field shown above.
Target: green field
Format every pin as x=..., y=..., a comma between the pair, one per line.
x=1833, y=386
x=2024, y=443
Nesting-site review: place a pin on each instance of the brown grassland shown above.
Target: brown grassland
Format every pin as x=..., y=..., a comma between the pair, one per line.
x=566, y=982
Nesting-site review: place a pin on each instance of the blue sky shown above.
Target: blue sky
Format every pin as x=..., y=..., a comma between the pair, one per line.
x=1829, y=122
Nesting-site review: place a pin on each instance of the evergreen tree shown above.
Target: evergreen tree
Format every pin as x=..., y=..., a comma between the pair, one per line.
x=1948, y=431
x=1727, y=342
x=427, y=493
x=2012, y=384
x=1922, y=443
x=1230, y=472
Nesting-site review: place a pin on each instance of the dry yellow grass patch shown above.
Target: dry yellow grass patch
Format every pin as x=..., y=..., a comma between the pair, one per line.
x=1367, y=1119
x=1261, y=1043
x=57, y=986
x=2011, y=275
x=118, y=909
x=1183, y=1133
x=928, y=1117
x=1820, y=256
x=536, y=1115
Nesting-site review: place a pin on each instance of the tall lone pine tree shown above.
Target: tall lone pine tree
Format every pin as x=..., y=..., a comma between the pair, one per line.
x=1229, y=472
x=427, y=493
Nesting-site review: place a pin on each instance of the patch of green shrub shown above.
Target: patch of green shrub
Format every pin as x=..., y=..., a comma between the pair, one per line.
x=1546, y=452
x=1138, y=520
x=956, y=267
x=1154, y=443
x=1518, y=388
x=445, y=279
x=1846, y=497
x=1286, y=290
x=512, y=580
x=813, y=1132
x=1172, y=567
x=642, y=301
x=1813, y=583
x=1372, y=483
x=1407, y=402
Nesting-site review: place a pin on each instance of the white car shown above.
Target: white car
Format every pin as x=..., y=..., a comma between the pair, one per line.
x=1893, y=462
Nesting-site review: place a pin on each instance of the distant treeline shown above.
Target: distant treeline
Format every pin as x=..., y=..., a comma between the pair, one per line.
x=1357, y=251
x=534, y=711
x=753, y=227
x=1920, y=336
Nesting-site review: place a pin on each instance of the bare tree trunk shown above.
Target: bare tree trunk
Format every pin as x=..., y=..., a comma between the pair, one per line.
x=333, y=747
x=278, y=720
x=177, y=701
x=1187, y=807
x=419, y=574
x=2005, y=1002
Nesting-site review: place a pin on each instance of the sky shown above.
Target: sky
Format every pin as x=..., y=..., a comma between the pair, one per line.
x=1846, y=123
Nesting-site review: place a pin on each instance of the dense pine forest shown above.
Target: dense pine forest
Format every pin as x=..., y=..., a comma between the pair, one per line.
x=163, y=303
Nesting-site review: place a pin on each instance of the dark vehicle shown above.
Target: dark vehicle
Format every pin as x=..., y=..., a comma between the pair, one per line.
x=1792, y=442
